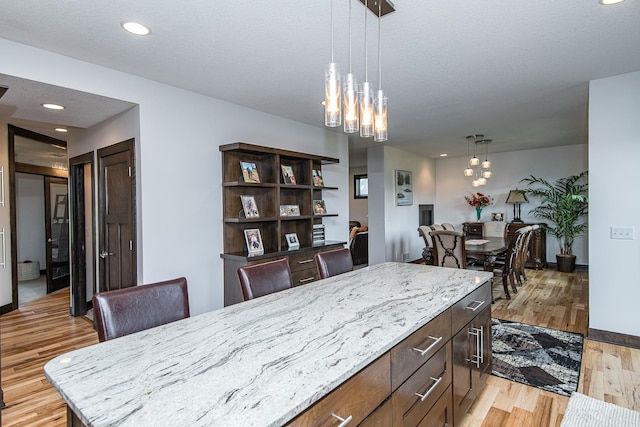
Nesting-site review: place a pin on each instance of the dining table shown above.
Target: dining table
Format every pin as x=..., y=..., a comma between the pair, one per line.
x=486, y=250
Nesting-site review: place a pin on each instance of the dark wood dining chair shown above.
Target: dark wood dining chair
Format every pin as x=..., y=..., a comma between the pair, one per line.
x=507, y=271
x=523, y=254
x=125, y=311
x=257, y=280
x=448, y=249
x=331, y=263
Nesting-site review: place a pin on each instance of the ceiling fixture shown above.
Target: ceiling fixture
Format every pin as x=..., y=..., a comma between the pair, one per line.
x=380, y=102
x=51, y=106
x=135, y=28
x=480, y=172
x=359, y=102
x=332, y=114
x=63, y=130
x=608, y=2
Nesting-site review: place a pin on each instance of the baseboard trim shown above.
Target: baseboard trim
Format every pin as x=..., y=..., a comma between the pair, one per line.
x=613, y=338
x=6, y=308
x=581, y=267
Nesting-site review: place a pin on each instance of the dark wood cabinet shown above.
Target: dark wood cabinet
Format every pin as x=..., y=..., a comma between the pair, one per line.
x=269, y=194
x=537, y=245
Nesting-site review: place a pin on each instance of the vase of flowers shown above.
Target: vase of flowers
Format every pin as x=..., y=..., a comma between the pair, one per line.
x=478, y=201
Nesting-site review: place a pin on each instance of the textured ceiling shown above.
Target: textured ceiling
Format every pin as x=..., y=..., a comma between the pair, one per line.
x=515, y=71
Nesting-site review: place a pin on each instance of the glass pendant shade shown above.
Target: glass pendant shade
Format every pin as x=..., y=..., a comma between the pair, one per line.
x=486, y=164
x=475, y=183
x=482, y=181
x=332, y=101
x=380, y=117
x=350, y=91
x=474, y=161
x=366, y=110
x=468, y=172
x=487, y=174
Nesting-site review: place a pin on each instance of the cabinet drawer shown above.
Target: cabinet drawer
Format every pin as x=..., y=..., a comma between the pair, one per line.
x=430, y=381
x=416, y=349
x=381, y=417
x=442, y=412
x=302, y=261
x=470, y=306
x=356, y=398
x=302, y=277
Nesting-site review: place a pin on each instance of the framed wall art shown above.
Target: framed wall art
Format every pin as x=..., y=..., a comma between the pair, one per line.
x=404, y=188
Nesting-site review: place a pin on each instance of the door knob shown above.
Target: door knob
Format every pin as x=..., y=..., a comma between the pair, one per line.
x=105, y=254
x=50, y=240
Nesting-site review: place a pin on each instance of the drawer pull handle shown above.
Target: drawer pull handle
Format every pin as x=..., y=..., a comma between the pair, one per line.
x=307, y=280
x=306, y=261
x=478, y=305
x=343, y=421
x=426, y=350
x=428, y=392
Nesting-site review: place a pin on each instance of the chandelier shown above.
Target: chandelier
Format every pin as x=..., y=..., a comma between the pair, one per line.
x=480, y=171
x=363, y=111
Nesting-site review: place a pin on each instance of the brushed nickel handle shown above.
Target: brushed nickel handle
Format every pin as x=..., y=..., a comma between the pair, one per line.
x=426, y=350
x=477, y=358
x=307, y=261
x=307, y=280
x=4, y=250
x=428, y=392
x=105, y=254
x=343, y=421
x=478, y=305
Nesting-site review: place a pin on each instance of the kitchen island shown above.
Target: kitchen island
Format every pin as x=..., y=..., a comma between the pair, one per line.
x=265, y=361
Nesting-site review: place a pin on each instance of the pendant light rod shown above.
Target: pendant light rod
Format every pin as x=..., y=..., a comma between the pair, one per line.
x=331, y=26
x=366, y=62
x=349, y=36
x=379, y=50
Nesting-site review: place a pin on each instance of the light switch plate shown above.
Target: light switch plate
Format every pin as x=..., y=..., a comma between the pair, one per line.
x=624, y=233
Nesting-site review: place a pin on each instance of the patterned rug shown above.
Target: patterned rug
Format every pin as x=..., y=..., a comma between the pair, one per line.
x=548, y=359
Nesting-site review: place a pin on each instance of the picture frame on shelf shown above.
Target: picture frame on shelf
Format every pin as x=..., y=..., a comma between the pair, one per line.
x=254, y=241
x=497, y=216
x=316, y=176
x=292, y=241
x=289, y=210
x=319, y=207
x=250, y=172
x=404, y=188
x=250, y=207
x=287, y=175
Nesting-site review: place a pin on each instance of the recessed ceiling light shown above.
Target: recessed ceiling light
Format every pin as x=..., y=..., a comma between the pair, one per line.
x=606, y=2
x=59, y=147
x=136, y=28
x=63, y=130
x=443, y=155
x=53, y=106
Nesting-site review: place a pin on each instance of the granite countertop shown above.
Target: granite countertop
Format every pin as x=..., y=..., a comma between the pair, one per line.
x=260, y=362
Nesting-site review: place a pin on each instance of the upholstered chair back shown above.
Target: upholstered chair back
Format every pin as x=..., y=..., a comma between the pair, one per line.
x=331, y=263
x=448, y=249
x=265, y=278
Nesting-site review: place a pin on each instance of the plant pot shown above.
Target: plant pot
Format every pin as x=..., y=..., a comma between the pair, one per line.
x=566, y=263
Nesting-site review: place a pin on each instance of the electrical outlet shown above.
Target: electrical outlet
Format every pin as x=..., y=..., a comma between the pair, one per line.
x=624, y=233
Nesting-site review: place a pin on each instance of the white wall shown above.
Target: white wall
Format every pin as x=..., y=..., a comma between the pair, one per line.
x=180, y=218
x=358, y=208
x=393, y=234
x=508, y=169
x=614, y=149
x=30, y=218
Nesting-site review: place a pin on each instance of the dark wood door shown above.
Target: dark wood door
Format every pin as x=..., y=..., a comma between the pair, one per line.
x=57, y=232
x=116, y=216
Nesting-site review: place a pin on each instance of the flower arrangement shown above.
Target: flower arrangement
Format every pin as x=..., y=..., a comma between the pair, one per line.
x=479, y=200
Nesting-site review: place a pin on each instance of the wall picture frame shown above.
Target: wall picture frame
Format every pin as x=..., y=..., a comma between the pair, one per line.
x=404, y=188
x=254, y=241
x=250, y=207
x=292, y=241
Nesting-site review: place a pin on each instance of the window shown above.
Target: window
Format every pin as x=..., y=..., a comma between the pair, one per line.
x=360, y=187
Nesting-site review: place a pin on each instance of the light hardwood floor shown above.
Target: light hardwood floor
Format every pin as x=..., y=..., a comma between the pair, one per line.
x=43, y=329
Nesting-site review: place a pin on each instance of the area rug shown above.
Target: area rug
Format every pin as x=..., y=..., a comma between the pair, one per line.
x=585, y=411
x=545, y=358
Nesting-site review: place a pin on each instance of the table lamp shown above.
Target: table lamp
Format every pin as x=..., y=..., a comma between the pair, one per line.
x=516, y=197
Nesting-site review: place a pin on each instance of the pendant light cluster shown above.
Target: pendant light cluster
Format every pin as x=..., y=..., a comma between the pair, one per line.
x=362, y=111
x=480, y=171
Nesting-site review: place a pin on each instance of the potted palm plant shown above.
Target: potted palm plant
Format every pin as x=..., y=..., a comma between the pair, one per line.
x=564, y=205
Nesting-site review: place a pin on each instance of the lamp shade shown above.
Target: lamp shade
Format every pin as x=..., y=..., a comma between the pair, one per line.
x=516, y=196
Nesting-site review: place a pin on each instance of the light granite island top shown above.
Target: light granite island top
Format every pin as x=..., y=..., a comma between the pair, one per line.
x=260, y=362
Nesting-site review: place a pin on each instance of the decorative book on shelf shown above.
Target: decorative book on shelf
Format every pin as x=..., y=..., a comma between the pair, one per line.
x=319, y=207
x=318, y=233
x=317, y=178
x=287, y=175
x=249, y=207
x=249, y=172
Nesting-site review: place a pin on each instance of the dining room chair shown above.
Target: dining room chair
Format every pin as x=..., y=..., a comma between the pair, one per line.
x=448, y=249
x=125, y=311
x=448, y=226
x=257, y=280
x=331, y=263
x=523, y=254
x=427, y=252
x=506, y=271
x=494, y=229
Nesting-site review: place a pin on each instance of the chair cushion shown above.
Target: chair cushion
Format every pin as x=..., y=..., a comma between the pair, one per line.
x=265, y=278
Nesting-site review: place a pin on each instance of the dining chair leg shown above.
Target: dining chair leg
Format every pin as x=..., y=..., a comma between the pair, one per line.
x=513, y=283
x=505, y=287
